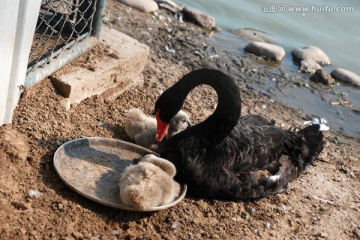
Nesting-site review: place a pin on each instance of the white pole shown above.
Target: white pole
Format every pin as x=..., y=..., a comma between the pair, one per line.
x=17, y=25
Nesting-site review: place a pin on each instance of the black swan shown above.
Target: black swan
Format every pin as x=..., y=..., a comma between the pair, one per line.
x=229, y=157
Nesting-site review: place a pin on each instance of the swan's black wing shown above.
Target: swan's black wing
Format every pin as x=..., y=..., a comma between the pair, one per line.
x=255, y=120
x=252, y=162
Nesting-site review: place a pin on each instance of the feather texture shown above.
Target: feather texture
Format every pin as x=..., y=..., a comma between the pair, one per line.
x=228, y=156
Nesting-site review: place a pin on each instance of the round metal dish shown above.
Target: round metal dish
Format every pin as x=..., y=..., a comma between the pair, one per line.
x=93, y=166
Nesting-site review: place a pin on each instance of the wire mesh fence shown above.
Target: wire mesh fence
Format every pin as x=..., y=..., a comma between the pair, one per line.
x=61, y=24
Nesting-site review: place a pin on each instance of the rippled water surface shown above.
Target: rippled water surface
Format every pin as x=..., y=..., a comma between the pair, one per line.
x=330, y=25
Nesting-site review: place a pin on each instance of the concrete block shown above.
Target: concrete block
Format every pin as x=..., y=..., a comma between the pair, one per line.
x=121, y=66
x=114, y=92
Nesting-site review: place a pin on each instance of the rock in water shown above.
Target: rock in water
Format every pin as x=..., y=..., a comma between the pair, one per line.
x=323, y=77
x=254, y=35
x=311, y=52
x=142, y=5
x=266, y=49
x=309, y=65
x=201, y=18
x=346, y=76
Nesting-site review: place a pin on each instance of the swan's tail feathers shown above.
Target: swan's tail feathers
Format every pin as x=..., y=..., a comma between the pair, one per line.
x=302, y=148
x=313, y=143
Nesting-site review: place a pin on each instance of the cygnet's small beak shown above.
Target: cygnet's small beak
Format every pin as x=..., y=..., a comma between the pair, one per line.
x=189, y=124
x=136, y=160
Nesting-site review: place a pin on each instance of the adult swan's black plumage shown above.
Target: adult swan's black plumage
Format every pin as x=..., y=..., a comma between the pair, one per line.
x=230, y=157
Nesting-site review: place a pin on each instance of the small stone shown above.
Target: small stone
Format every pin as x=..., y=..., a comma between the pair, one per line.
x=322, y=235
x=175, y=225
x=282, y=206
x=245, y=215
x=77, y=235
x=311, y=52
x=142, y=5
x=309, y=65
x=34, y=194
x=169, y=49
x=117, y=21
x=323, y=77
x=267, y=225
x=266, y=49
x=200, y=18
x=65, y=103
x=215, y=236
x=19, y=205
x=346, y=76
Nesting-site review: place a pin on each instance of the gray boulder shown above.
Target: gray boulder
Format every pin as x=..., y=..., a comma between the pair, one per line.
x=200, y=18
x=266, y=49
x=323, y=77
x=309, y=65
x=311, y=52
x=142, y=5
x=346, y=76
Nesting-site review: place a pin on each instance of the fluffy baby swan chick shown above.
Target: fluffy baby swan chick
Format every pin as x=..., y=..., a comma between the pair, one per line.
x=137, y=121
x=142, y=128
x=149, y=183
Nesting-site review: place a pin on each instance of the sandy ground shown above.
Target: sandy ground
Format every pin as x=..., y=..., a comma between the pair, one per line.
x=322, y=204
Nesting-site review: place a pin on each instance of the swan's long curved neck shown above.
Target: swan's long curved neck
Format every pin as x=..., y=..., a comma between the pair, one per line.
x=227, y=113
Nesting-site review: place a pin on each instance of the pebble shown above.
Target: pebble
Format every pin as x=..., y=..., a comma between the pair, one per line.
x=65, y=103
x=19, y=205
x=77, y=235
x=311, y=52
x=142, y=5
x=323, y=77
x=254, y=35
x=266, y=49
x=169, y=49
x=346, y=76
x=267, y=225
x=117, y=21
x=175, y=225
x=34, y=194
x=245, y=215
x=322, y=235
x=60, y=206
x=282, y=206
x=309, y=65
x=200, y=18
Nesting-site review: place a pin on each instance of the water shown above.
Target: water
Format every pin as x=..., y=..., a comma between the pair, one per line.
x=336, y=33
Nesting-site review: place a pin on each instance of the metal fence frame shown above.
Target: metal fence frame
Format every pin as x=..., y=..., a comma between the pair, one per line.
x=72, y=49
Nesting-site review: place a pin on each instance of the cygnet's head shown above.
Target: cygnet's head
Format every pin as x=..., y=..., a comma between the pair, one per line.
x=180, y=122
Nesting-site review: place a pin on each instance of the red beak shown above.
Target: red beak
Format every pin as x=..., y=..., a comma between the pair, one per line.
x=162, y=128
